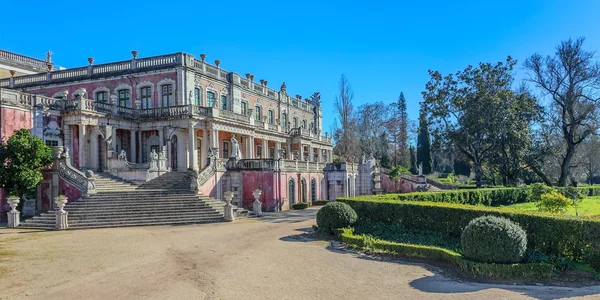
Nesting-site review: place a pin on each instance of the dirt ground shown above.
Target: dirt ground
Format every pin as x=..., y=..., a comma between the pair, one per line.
x=267, y=258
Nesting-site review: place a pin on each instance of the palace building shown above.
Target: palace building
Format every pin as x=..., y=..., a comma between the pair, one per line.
x=143, y=117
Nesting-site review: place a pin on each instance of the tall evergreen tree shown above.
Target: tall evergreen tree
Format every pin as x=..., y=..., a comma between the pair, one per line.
x=403, y=132
x=413, y=160
x=424, y=144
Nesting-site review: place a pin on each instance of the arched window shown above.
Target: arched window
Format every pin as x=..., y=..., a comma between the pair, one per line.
x=223, y=102
x=258, y=112
x=313, y=190
x=225, y=149
x=211, y=99
x=303, y=190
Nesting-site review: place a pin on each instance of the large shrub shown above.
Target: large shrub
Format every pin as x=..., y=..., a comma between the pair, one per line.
x=553, y=202
x=335, y=215
x=492, y=239
x=553, y=235
x=300, y=205
x=539, y=189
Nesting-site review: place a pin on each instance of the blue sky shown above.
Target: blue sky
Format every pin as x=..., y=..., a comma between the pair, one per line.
x=383, y=47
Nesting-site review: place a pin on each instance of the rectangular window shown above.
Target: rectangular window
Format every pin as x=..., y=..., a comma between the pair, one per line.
x=167, y=95
x=102, y=96
x=223, y=102
x=285, y=120
x=244, y=108
x=51, y=143
x=259, y=151
x=271, y=117
x=124, y=98
x=225, y=150
x=303, y=124
x=146, y=97
x=197, y=96
x=257, y=113
x=295, y=122
x=272, y=153
x=210, y=99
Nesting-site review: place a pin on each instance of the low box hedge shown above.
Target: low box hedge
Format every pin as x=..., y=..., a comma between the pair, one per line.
x=568, y=237
x=300, y=205
x=474, y=269
x=320, y=202
x=487, y=196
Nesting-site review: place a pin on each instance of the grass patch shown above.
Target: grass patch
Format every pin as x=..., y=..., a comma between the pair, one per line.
x=587, y=207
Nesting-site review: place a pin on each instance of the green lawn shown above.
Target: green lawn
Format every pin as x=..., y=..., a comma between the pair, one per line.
x=588, y=207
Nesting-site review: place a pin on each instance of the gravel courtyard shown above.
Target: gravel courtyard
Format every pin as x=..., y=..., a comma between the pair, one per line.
x=267, y=258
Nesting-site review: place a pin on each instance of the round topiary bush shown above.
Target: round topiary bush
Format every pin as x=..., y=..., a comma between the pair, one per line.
x=335, y=215
x=492, y=239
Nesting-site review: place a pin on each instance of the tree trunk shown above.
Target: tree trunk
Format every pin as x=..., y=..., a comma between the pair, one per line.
x=541, y=174
x=566, y=165
x=478, y=172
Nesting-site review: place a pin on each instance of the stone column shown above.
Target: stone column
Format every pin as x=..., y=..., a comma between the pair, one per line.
x=214, y=139
x=289, y=151
x=141, y=146
x=277, y=148
x=301, y=151
x=132, y=155
x=251, y=145
x=82, y=138
x=205, y=145
x=265, y=146
x=311, y=156
x=192, y=148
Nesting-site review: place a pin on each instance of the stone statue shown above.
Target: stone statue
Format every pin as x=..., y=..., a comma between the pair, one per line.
x=48, y=56
x=421, y=169
x=66, y=152
x=235, y=152
x=122, y=155
x=153, y=155
x=316, y=99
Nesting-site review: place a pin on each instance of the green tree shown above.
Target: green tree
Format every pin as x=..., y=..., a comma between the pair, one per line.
x=470, y=108
x=571, y=79
x=413, y=160
x=424, y=144
x=23, y=156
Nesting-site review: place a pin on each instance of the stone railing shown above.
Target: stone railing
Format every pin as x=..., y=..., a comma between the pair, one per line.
x=229, y=115
x=62, y=164
x=134, y=173
x=37, y=64
x=252, y=164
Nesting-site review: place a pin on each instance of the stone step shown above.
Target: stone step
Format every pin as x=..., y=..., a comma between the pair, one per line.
x=109, y=218
x=127, y=224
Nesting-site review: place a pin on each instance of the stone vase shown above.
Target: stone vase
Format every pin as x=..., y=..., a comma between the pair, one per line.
x=256, y=205
x=62, y=221
x=14, y=216
x=228, y=208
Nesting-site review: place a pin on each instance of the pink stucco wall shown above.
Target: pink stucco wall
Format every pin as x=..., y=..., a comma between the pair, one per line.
x=13, y=119
x=403, y=186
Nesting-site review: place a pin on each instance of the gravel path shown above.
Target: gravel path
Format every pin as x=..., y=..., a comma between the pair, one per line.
x=267, y=258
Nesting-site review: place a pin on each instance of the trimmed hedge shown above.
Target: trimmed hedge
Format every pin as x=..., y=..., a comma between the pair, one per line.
x=320, y=202
x=505, y=271
x=335, y=215
x=491, y=239
x=563, y=236
x=487, y=197
x=300, y=205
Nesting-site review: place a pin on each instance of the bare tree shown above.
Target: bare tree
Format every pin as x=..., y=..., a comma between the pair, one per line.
x=346, y=142
x=571, y=79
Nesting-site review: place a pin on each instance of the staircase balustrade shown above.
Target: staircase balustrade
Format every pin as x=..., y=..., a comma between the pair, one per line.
x=81, y=181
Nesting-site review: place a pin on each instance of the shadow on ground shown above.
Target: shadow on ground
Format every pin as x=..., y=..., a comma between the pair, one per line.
x=290, y=216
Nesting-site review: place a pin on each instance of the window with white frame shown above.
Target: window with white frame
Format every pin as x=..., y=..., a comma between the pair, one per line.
x=223, y=102
x=295, y=122
x=197, y=96
x=101, y=96
x=124, y=98
x=225, y=149
x=259, y=151
x=146, y=97
x=284, y=121
x=211, y=98
x=244, y=108
x=271, y=116
x=166, y=95
x=303, y=124
x=51, y=143
x=258, y=112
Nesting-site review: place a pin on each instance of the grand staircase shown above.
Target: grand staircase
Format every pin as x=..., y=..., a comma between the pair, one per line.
x=165, y=200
